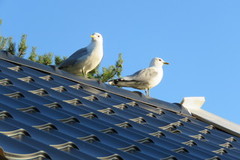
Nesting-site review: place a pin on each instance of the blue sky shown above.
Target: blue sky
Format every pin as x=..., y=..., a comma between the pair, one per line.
x=200, y=40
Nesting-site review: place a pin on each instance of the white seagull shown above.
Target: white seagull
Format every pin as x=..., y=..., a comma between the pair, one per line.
x=85, y=59
x=144, y=79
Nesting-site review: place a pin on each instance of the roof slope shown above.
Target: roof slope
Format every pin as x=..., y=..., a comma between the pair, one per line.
x=47, y=114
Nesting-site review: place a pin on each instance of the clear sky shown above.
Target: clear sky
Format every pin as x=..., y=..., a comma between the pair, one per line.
x=201, y=40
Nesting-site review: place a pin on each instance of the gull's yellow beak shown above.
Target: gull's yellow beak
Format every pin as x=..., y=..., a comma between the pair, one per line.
x=92, y=36
x=165, y=63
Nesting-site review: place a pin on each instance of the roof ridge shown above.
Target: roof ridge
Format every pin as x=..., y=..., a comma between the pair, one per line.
x=4, y=55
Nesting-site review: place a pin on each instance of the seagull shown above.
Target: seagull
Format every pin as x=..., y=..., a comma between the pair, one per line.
x=144, y=79
x=85, y=59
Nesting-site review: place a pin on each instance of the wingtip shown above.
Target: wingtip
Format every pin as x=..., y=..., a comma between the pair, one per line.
x=114, y=82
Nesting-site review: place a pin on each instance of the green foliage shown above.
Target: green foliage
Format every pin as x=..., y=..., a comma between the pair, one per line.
x=45, y=59
x=59, y=60
x=22, y=47
x=94, y=73
x=11, y=46
x=33, y=55
x=7, y=44
x=3, y=42
x=113, y=71
x=119, y=65
x=108, y=73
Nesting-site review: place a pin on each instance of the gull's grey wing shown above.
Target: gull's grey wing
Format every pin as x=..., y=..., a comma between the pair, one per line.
x=143, y=75
x=136, y=73
x=81, y=53
x=139, y=79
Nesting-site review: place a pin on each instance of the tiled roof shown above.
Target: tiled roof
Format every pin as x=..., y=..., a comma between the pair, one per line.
x=47, y=114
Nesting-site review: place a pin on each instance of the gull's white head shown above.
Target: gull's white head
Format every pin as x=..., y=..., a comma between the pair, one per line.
x=157, y=62
x=97, y=37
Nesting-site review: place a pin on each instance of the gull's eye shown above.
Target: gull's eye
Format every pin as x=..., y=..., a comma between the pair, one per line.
x=98, y=35
x=159, y=59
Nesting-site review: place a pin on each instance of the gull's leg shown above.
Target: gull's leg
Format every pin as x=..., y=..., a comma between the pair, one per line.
x=147, y=92
x=84, y=74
